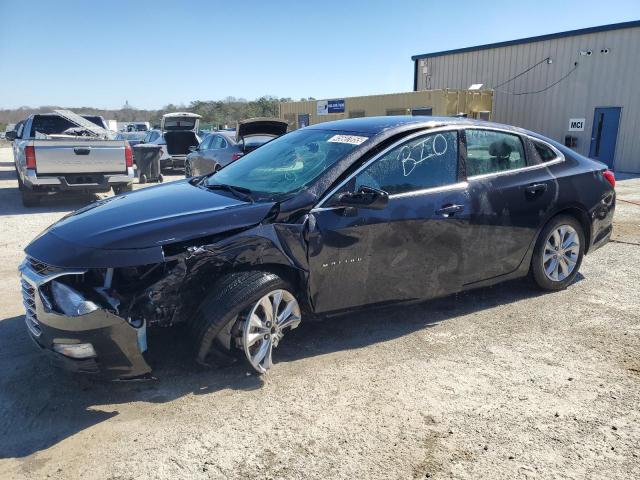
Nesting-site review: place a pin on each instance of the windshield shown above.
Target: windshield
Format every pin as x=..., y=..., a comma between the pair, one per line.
x=288, y=163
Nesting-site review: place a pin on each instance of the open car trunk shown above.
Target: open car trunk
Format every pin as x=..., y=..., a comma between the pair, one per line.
x=178, y=142
x=254, y=132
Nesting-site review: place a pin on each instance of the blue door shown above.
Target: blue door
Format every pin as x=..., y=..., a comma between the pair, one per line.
x=604, y=134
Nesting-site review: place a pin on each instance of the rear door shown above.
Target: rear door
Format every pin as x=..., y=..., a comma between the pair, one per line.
x=201, y=163
x=510, y=196
x=411, y=249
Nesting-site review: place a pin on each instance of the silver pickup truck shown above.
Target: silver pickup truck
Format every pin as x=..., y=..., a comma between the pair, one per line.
x=65, y=152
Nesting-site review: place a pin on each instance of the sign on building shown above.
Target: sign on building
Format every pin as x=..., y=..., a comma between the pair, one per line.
x=576, y=124
x=325, y=107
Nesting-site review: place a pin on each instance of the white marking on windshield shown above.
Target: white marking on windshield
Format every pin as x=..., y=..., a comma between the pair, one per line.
x=350, y=139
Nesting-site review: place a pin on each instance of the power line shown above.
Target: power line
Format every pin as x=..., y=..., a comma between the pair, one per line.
x=545, y=88
x=522, y=73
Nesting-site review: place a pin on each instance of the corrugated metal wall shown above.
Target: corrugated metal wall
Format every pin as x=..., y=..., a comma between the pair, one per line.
x=600, y=80
x=442, y=102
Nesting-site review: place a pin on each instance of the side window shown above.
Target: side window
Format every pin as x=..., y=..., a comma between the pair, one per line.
x=423, y=162
x=489, y=151
x=206, y=143
x=215, y=142
x=223, y=143
x=545, y=153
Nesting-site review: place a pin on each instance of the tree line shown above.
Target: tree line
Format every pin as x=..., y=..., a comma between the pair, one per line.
x=214, y=112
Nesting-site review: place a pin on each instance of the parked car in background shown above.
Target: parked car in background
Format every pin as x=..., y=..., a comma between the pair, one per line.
x=62, y=151
x=137, y=127
x=329, y=218
x=177, y=134
x=133, y=138
x=220, y=148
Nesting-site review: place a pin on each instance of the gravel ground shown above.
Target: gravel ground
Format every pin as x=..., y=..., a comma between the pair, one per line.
x=503, y=382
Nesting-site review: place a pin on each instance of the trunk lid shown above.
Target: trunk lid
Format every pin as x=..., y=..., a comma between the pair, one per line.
x=180, y=121
x=263, y=126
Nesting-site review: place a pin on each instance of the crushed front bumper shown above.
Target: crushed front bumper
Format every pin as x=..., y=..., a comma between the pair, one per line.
x=118, y=345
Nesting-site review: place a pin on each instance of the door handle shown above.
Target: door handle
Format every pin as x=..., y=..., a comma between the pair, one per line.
x=450, y=209
x=82, y=151
x=535, y=188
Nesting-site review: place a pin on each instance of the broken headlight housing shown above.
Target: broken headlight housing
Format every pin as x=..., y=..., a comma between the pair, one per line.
x=69, y=301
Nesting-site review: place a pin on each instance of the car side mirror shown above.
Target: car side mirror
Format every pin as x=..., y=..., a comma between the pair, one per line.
x=11, y=135
x=366, y=197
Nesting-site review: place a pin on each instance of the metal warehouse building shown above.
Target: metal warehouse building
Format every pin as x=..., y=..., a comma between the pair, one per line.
x=579, y=87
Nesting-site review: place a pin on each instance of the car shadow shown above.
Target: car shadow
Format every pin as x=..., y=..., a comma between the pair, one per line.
x=41, y=405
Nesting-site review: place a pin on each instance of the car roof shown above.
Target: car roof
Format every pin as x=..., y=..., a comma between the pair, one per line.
x=228, y=134
x=376, y=125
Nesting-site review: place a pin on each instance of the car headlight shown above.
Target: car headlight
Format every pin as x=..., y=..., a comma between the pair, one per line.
x=70, y=301
x=75, y=350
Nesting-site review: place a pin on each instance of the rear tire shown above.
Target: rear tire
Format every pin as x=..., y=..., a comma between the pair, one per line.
x=29, y=199
x=118, y=189
x=221, y=313
x=142, y=178
x=558, y=253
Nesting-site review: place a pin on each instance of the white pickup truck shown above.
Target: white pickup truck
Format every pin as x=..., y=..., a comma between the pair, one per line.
x=65, y=152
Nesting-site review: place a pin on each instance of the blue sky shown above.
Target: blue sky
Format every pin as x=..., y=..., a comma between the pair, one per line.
x=92, y=53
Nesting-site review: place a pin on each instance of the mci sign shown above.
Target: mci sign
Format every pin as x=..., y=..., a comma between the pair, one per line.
x=576, y=124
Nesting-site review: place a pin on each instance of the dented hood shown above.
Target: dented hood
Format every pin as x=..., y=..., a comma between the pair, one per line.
x=150, y=218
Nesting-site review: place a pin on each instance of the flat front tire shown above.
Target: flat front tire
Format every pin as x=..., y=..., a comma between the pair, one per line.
x=558, y=253
x=247, y=312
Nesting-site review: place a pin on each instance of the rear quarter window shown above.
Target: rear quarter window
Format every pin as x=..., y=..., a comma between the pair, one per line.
x=544, y=152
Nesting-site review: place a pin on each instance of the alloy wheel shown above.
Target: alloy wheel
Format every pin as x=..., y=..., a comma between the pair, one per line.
x=264, y=327
x=561, y=252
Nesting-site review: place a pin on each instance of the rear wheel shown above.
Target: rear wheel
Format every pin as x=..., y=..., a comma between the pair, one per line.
x=125, y=187
x=558, y=253
x=29, y=199
x=142, y=178
x=247, y=312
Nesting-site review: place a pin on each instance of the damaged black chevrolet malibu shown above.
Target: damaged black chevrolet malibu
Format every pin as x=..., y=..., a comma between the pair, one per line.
x=325, y=219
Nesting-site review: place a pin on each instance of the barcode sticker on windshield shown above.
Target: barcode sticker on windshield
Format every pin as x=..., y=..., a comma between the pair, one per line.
x=352, y=139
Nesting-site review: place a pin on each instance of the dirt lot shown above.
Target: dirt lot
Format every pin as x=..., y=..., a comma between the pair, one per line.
x=498, y=383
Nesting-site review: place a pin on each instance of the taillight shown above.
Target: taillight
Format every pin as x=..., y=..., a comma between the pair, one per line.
x=236, y=156
x=30, y=156
x=128, y=154
x=610, y=177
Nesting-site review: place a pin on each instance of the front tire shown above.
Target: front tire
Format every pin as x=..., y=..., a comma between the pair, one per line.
x=234, y=316
x=558, y=253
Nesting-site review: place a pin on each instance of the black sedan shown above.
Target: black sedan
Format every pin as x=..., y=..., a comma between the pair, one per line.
x=329, y=218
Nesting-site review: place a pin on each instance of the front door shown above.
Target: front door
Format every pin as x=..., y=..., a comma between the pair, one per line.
x=409, y=250
x=604, y=134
